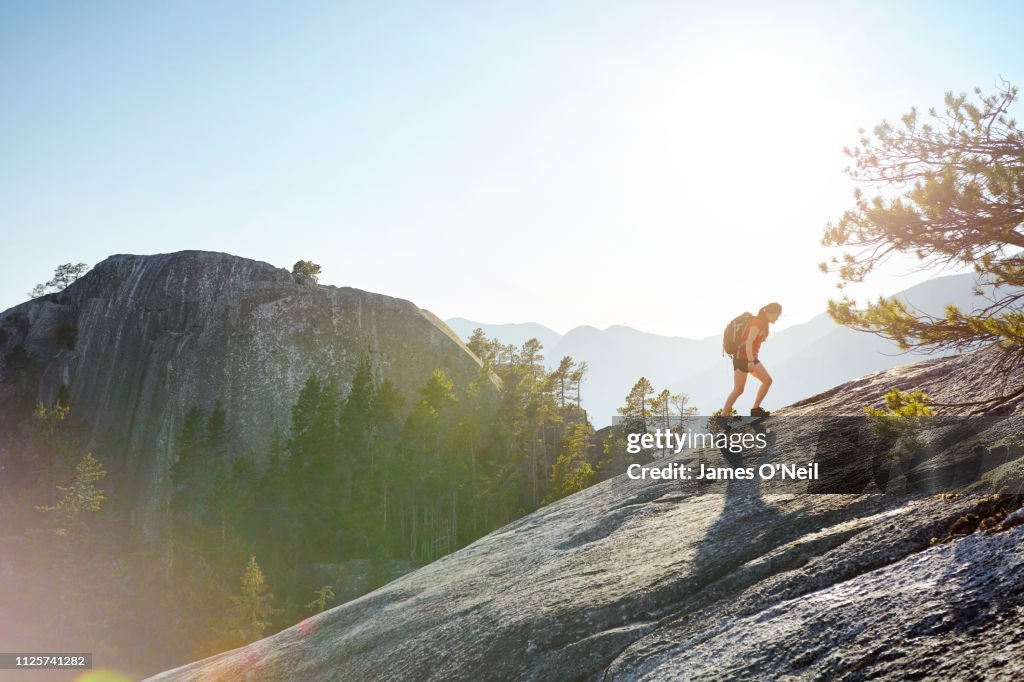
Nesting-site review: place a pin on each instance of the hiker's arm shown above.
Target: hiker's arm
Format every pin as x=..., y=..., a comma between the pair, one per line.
x=751, y=335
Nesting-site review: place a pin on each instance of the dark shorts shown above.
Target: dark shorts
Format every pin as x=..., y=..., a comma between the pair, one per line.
x=740, y=364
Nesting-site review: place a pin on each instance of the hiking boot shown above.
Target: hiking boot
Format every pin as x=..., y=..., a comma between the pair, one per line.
x=759, y=412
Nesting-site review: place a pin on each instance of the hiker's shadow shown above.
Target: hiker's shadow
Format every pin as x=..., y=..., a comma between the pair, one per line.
x=746, y=524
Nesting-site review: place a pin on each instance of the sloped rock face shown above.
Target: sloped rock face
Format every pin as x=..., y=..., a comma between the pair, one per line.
x=654, y=580
x=140, y=339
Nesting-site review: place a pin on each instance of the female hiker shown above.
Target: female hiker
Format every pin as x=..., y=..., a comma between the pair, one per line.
x=746, y=360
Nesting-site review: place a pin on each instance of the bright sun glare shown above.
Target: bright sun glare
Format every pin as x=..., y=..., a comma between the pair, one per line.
x=738, y=146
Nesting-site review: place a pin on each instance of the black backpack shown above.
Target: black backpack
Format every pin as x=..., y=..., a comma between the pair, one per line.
x=733, y=336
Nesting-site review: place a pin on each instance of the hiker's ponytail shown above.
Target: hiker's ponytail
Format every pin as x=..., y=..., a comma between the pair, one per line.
x=762, y=314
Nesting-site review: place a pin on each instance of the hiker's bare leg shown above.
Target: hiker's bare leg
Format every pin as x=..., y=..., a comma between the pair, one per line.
x=739, y=383
x=762, y=375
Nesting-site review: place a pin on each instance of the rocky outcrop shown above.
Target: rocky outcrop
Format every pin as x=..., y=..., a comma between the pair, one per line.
x=140, y=339
x=660, y=580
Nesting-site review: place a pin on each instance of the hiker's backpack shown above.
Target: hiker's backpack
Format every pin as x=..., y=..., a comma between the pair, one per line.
x=733, y=336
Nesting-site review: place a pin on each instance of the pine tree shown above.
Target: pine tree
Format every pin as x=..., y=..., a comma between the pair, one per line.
x=307, y=268
x=52, y=443
x=323, y=595
x=251, y=610
x=185, y=478
x=660, y=406
x=572, y=473
x=63, y=276
x=635, y=419
x=84, y=573
x=438, y=392
x=563, y=381
x=636, y=413
x=428, y=431
x=354, y=425
x=306, y=422
x=217, y=435
x=386, y=425
x=577, y=378
x=950, y=192
x=312, y=481
x=681, y=405
x=533, y=360
x=79, y=498
x=484, y=348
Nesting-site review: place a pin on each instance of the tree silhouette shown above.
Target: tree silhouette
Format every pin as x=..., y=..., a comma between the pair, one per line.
x=950, y=190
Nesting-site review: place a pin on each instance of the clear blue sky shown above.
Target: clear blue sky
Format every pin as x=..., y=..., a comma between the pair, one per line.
x=656, y=164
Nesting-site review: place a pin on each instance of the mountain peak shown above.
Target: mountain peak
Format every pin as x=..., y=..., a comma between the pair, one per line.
x=139, y=340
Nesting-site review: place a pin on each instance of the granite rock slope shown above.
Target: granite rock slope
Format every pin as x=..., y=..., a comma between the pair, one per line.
x=140, y=339
x=657, y=580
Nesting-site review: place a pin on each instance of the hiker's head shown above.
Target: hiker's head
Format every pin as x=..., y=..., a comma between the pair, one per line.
x=770, y=312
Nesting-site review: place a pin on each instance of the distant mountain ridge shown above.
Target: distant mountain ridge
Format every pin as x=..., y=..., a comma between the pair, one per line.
x=803, y=359
x=514, y=333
